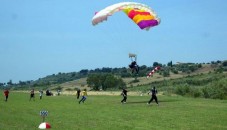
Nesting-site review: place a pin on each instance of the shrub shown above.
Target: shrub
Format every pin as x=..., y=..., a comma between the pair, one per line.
x=196, y=92
x=216, y=90
x=175, y=71
x=165, y=74
x=134, y=81
x=182, y=90
x=69, y=89
x=224, y=63
x=58, y=88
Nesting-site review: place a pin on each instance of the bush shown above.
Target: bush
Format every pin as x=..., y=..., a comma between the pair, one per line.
x=196, y=92
x=165, y=74
x=219, y=70
x=134, y=81
x=182, y=90
x=175, y=71
x=188, y=90
x=58, y=88
x=224, y=63
x=206, y=92
x=216, y=90
x=69, y=89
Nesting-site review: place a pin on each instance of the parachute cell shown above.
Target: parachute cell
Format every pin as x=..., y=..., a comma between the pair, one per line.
x=141, y=14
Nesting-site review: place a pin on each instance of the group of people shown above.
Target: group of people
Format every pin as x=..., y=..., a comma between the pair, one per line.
x=84, y=95
x=124, y=92
x=48, y=93
x=153, y=93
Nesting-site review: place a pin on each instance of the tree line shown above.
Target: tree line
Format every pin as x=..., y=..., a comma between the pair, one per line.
x=114, y=74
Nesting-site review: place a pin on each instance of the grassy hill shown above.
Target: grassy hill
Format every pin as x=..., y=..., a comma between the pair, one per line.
x=187, y=79
x=81, y=83
x=204, y=82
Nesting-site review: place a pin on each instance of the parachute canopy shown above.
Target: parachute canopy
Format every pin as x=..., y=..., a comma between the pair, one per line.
x=131, y=55
x=141, y=14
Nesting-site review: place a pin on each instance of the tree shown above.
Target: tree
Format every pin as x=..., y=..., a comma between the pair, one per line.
x=1, y=85
x=170, y=64
x=21, y=83
x=199, y=65
x=224, y=63
x=106, y=70
x=155, y=64
x=104, y=81
x=93, y=81
x=10, y=82
x=166, y=73
x=109, y=82
x=84, y=72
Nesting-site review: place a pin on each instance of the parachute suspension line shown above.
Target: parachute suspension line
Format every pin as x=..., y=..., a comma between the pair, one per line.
x=133, y=57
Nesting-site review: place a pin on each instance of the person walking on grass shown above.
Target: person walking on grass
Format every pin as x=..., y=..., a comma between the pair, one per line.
x=32, y=95
x=78, y=93
x=124, y=94
x=6, y=93
x=84, y=96
x=153, y=96
x=40, y=94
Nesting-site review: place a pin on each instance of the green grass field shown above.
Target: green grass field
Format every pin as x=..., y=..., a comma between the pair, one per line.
x=107, y=113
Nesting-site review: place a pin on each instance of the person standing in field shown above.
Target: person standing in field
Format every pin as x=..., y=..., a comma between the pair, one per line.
x=6, y=93
x=32, y=95
x=40, y=94
x=59, y=92
x=124, y=94
x=78, y=93
x=84, y=96
x=153, y=96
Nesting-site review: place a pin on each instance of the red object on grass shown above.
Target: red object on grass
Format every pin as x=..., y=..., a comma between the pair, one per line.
x=44, y=125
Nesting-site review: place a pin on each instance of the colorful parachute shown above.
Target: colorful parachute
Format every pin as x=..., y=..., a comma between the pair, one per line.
x=154, y=70
x=141, y=14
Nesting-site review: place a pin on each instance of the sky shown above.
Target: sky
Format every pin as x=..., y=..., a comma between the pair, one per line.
x=45, y=37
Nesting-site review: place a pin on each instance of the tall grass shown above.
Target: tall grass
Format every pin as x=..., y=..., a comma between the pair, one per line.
x=107, y=113
x=212, y=85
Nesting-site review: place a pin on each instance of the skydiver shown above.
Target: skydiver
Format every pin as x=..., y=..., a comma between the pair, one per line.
x=134, y=67
x=153, y=92
x=124, y=94
x=137, y=69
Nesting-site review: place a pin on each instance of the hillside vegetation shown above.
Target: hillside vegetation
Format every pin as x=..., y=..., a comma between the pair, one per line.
x=187, y=79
